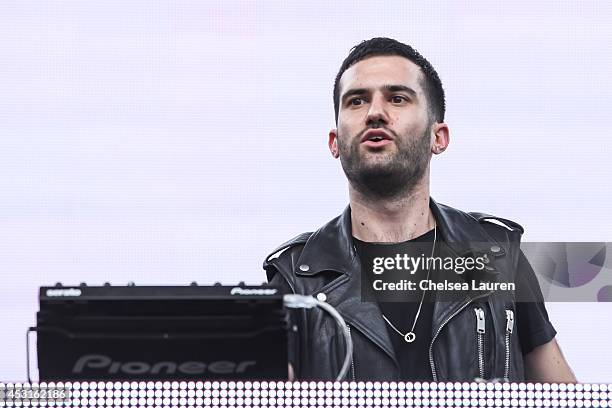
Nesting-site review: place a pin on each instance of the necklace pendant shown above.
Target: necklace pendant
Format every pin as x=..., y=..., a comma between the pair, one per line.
x=409, y=337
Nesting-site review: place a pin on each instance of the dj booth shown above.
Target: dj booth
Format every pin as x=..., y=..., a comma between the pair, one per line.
x=161, y=333
x=220, y=346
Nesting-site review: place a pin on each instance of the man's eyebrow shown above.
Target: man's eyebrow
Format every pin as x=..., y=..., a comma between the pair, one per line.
x=354, y=91
x=401, y=88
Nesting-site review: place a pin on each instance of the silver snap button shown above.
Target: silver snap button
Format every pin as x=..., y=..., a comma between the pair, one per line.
x=304, y=268
x=485, y=259
x=495, y=249
x=322, y=297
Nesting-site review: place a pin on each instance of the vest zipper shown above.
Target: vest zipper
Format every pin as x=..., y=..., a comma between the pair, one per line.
x=509, y=329
x=480, y=331
x=434, y=373
x=352, y=359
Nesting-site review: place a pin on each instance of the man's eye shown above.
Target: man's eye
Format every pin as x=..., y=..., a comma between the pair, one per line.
x=398, y=99
x=356, y=101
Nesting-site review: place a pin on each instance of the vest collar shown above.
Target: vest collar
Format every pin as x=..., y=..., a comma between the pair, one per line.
x=331, y=247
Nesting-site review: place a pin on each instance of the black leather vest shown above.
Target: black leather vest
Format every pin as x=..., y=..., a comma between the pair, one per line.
x=325, y=262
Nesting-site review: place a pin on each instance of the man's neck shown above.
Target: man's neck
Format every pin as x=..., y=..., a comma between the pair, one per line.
x=396, y=220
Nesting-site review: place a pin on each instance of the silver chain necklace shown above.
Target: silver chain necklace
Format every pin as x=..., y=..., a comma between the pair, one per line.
x=409, y=337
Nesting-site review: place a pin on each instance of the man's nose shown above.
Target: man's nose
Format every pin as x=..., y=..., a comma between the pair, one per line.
x=377, y=112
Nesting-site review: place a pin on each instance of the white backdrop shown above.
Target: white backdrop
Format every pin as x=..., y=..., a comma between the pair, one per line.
x=166, y=142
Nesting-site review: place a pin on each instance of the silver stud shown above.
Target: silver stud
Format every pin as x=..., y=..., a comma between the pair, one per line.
x=304, y=268
x=495, y=249
x=322, y=297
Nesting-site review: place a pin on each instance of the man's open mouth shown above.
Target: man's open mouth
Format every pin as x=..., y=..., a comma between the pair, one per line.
x=376, y=138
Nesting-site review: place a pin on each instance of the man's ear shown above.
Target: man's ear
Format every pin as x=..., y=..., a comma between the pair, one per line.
x=441, y=136
x=332, y=143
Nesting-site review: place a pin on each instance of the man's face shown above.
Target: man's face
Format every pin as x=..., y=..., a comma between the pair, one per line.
x=384, y=135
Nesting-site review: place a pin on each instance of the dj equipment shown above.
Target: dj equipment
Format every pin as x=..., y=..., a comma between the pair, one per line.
x=161, y=332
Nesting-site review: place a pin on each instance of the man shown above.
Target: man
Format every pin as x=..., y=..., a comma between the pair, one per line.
x=389, y=107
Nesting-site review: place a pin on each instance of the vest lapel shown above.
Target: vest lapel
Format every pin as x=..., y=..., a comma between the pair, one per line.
x=331, y=249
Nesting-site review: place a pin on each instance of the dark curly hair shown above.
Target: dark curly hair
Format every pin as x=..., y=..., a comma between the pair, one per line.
x=382, y=46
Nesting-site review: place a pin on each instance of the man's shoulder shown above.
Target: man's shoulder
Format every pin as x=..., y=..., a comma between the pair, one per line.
x=455, y=216
x=298, y=240
x=500, y=229
x=491, y=221
x=284, y=257
x=467, y=227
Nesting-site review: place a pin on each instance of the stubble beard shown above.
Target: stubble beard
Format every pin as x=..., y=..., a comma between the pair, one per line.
x=390, y=177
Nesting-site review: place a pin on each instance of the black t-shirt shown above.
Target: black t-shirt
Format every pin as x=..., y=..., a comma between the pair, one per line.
x=532, y=320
